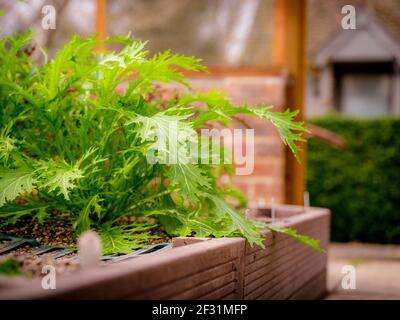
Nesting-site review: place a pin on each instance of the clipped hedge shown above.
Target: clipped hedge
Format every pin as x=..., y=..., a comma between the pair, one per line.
x=361, y=184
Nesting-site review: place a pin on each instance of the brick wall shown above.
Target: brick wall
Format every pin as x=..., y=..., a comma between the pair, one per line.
x=268, y=178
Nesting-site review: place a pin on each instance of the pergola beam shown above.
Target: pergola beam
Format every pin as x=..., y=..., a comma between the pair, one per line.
x=290, y=54
x=100, y=19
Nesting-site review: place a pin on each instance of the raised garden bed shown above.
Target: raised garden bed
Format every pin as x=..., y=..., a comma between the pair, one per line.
x=195, y=268
x=92, y=147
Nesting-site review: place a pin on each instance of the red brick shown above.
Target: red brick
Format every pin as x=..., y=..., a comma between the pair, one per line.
x=270, y=149
x=267, y=192
x=267, y=167
x=256, y=90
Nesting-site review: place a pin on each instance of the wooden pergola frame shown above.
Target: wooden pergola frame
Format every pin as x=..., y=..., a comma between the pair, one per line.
x=290, y=45
x=290, y=55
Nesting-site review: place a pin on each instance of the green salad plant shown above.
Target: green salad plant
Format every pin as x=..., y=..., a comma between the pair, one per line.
x=76, y=132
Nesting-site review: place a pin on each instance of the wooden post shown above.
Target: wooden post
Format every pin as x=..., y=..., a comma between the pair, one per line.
x=290, y=54
x=100, y=19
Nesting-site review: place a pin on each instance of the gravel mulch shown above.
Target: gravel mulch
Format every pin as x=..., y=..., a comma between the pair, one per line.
x=54, y=233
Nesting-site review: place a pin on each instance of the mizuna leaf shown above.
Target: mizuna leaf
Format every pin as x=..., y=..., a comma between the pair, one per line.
x=220, y=109
x=91, y=207
x=240, y=222
x=15, y=181
x=312, y=243
x=189, y=178
x=124, y=239
x=171, y=134
x=7, y=145
x=289, y=130
x=62, y=178
x=13, y=214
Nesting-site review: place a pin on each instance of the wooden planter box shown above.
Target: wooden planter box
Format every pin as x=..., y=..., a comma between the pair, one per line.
x=226, y=268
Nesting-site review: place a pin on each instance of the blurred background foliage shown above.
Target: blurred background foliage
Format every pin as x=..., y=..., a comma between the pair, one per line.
x=360, y=184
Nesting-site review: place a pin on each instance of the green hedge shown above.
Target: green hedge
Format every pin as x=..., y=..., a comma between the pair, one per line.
x=361, y=184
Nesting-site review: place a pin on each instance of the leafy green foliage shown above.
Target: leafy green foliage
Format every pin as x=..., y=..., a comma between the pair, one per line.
x=124, y=238
x=10, y=267
x=236, y=219
x=60, y=177
x=221, y=110
x=312, y=243
x=84, y=131
x=289, y=130
x=12, y=213
x=361, y=183
x=13, y=182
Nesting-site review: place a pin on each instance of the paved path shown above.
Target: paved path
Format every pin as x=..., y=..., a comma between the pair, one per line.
x=377, y=269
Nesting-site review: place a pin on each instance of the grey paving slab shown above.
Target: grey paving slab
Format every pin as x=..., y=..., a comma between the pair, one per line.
x=377, y=271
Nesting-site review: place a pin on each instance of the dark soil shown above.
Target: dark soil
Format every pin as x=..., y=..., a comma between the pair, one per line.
x=52, y=232
x=55, y=233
